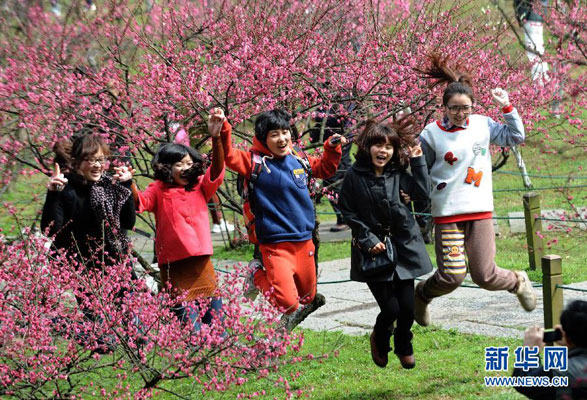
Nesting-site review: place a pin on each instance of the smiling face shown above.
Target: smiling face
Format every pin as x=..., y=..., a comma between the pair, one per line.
x=458, y=108
x=92, y=167
x=279, y=142
x=381, y=153
x=179, y=169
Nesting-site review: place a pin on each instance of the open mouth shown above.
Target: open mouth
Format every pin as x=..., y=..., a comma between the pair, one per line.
x=282, y=147
x=381, y=158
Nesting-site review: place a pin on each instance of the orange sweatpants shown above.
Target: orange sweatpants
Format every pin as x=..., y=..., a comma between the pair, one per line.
x=289, y=277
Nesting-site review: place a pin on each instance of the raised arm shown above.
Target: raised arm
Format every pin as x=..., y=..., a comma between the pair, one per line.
x=237, y=160
x=53, y=211
x=215, y=124
x=146, y=200
x=417, y=185
x=325, y=166
x=512, y=132
x=128, y=215
x=429, y=153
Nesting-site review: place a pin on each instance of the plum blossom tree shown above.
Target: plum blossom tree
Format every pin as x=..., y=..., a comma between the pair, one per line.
x=132, y=70
x=121, y=340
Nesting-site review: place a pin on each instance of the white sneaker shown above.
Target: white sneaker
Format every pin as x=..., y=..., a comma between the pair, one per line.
x=525, y=292
x=421, y=309
x=250, y=291
x=215, y=228
x=226, y=227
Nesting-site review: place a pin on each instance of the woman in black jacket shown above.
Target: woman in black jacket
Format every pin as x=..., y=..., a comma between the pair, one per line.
x=87, y=210
x=371, y=204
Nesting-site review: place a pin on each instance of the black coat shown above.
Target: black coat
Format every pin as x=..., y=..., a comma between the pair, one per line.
x=371, y=206
x=69, y=216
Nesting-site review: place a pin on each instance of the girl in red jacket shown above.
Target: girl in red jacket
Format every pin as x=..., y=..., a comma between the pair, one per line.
x=179, y=198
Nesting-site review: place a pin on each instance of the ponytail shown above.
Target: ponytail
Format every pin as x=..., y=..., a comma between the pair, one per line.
x=458, y=80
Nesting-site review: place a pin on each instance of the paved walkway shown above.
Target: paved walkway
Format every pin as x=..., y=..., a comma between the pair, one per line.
x=350, y=307
x=144, y=245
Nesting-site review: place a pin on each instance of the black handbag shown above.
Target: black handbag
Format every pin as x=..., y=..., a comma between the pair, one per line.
x=373, y=265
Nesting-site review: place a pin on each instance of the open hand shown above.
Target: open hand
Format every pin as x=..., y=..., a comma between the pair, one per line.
x=57, y=181
x=123, y=173
x=416, y=150
x=215, y=121
x=378, y=248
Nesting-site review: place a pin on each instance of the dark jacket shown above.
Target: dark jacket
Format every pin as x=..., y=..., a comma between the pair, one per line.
x=576, y=372
x=69, y=217
x=372, y=205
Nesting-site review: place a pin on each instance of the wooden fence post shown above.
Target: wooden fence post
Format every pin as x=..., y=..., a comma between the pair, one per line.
x=552, y=275
x=533, y=224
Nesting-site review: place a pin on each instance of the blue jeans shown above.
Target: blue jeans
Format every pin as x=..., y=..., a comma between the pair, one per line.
x=191, y=311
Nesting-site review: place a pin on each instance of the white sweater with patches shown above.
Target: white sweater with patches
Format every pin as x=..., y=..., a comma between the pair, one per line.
x=460, y=162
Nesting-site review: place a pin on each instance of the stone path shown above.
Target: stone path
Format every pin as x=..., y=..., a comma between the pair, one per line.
x=350, y=307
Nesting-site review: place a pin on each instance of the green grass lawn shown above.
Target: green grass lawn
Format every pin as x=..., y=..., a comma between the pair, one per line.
x=449, y=365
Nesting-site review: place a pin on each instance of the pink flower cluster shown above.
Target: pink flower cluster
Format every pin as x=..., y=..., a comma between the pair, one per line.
x=70, y=329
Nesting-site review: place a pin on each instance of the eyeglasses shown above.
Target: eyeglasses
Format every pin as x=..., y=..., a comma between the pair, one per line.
x=456, y=109
x=95, y=161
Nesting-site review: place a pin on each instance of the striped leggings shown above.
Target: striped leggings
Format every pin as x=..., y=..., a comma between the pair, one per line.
x=476, y=240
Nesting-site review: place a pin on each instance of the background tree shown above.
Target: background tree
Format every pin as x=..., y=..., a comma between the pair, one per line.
x=133, y=69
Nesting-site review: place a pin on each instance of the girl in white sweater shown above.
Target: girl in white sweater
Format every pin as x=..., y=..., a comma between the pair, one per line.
x=458, y=157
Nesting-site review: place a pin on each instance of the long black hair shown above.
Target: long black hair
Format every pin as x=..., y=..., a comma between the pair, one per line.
x=170, y=153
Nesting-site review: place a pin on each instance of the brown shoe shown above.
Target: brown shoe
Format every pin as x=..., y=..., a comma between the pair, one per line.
x=407, y=362
x=379, y=359
x=339, y=228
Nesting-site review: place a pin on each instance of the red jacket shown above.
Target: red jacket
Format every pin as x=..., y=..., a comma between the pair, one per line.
x=183, y=228
x=240, y=160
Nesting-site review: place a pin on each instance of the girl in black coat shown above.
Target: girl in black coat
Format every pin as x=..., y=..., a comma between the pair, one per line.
x=371, y=205
x=87, y=210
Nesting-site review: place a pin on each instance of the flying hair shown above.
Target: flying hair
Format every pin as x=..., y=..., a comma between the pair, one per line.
x=440, y=72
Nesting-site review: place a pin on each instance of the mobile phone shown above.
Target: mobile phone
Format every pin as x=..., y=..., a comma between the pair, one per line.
x=552, y=335
x=336, y=140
